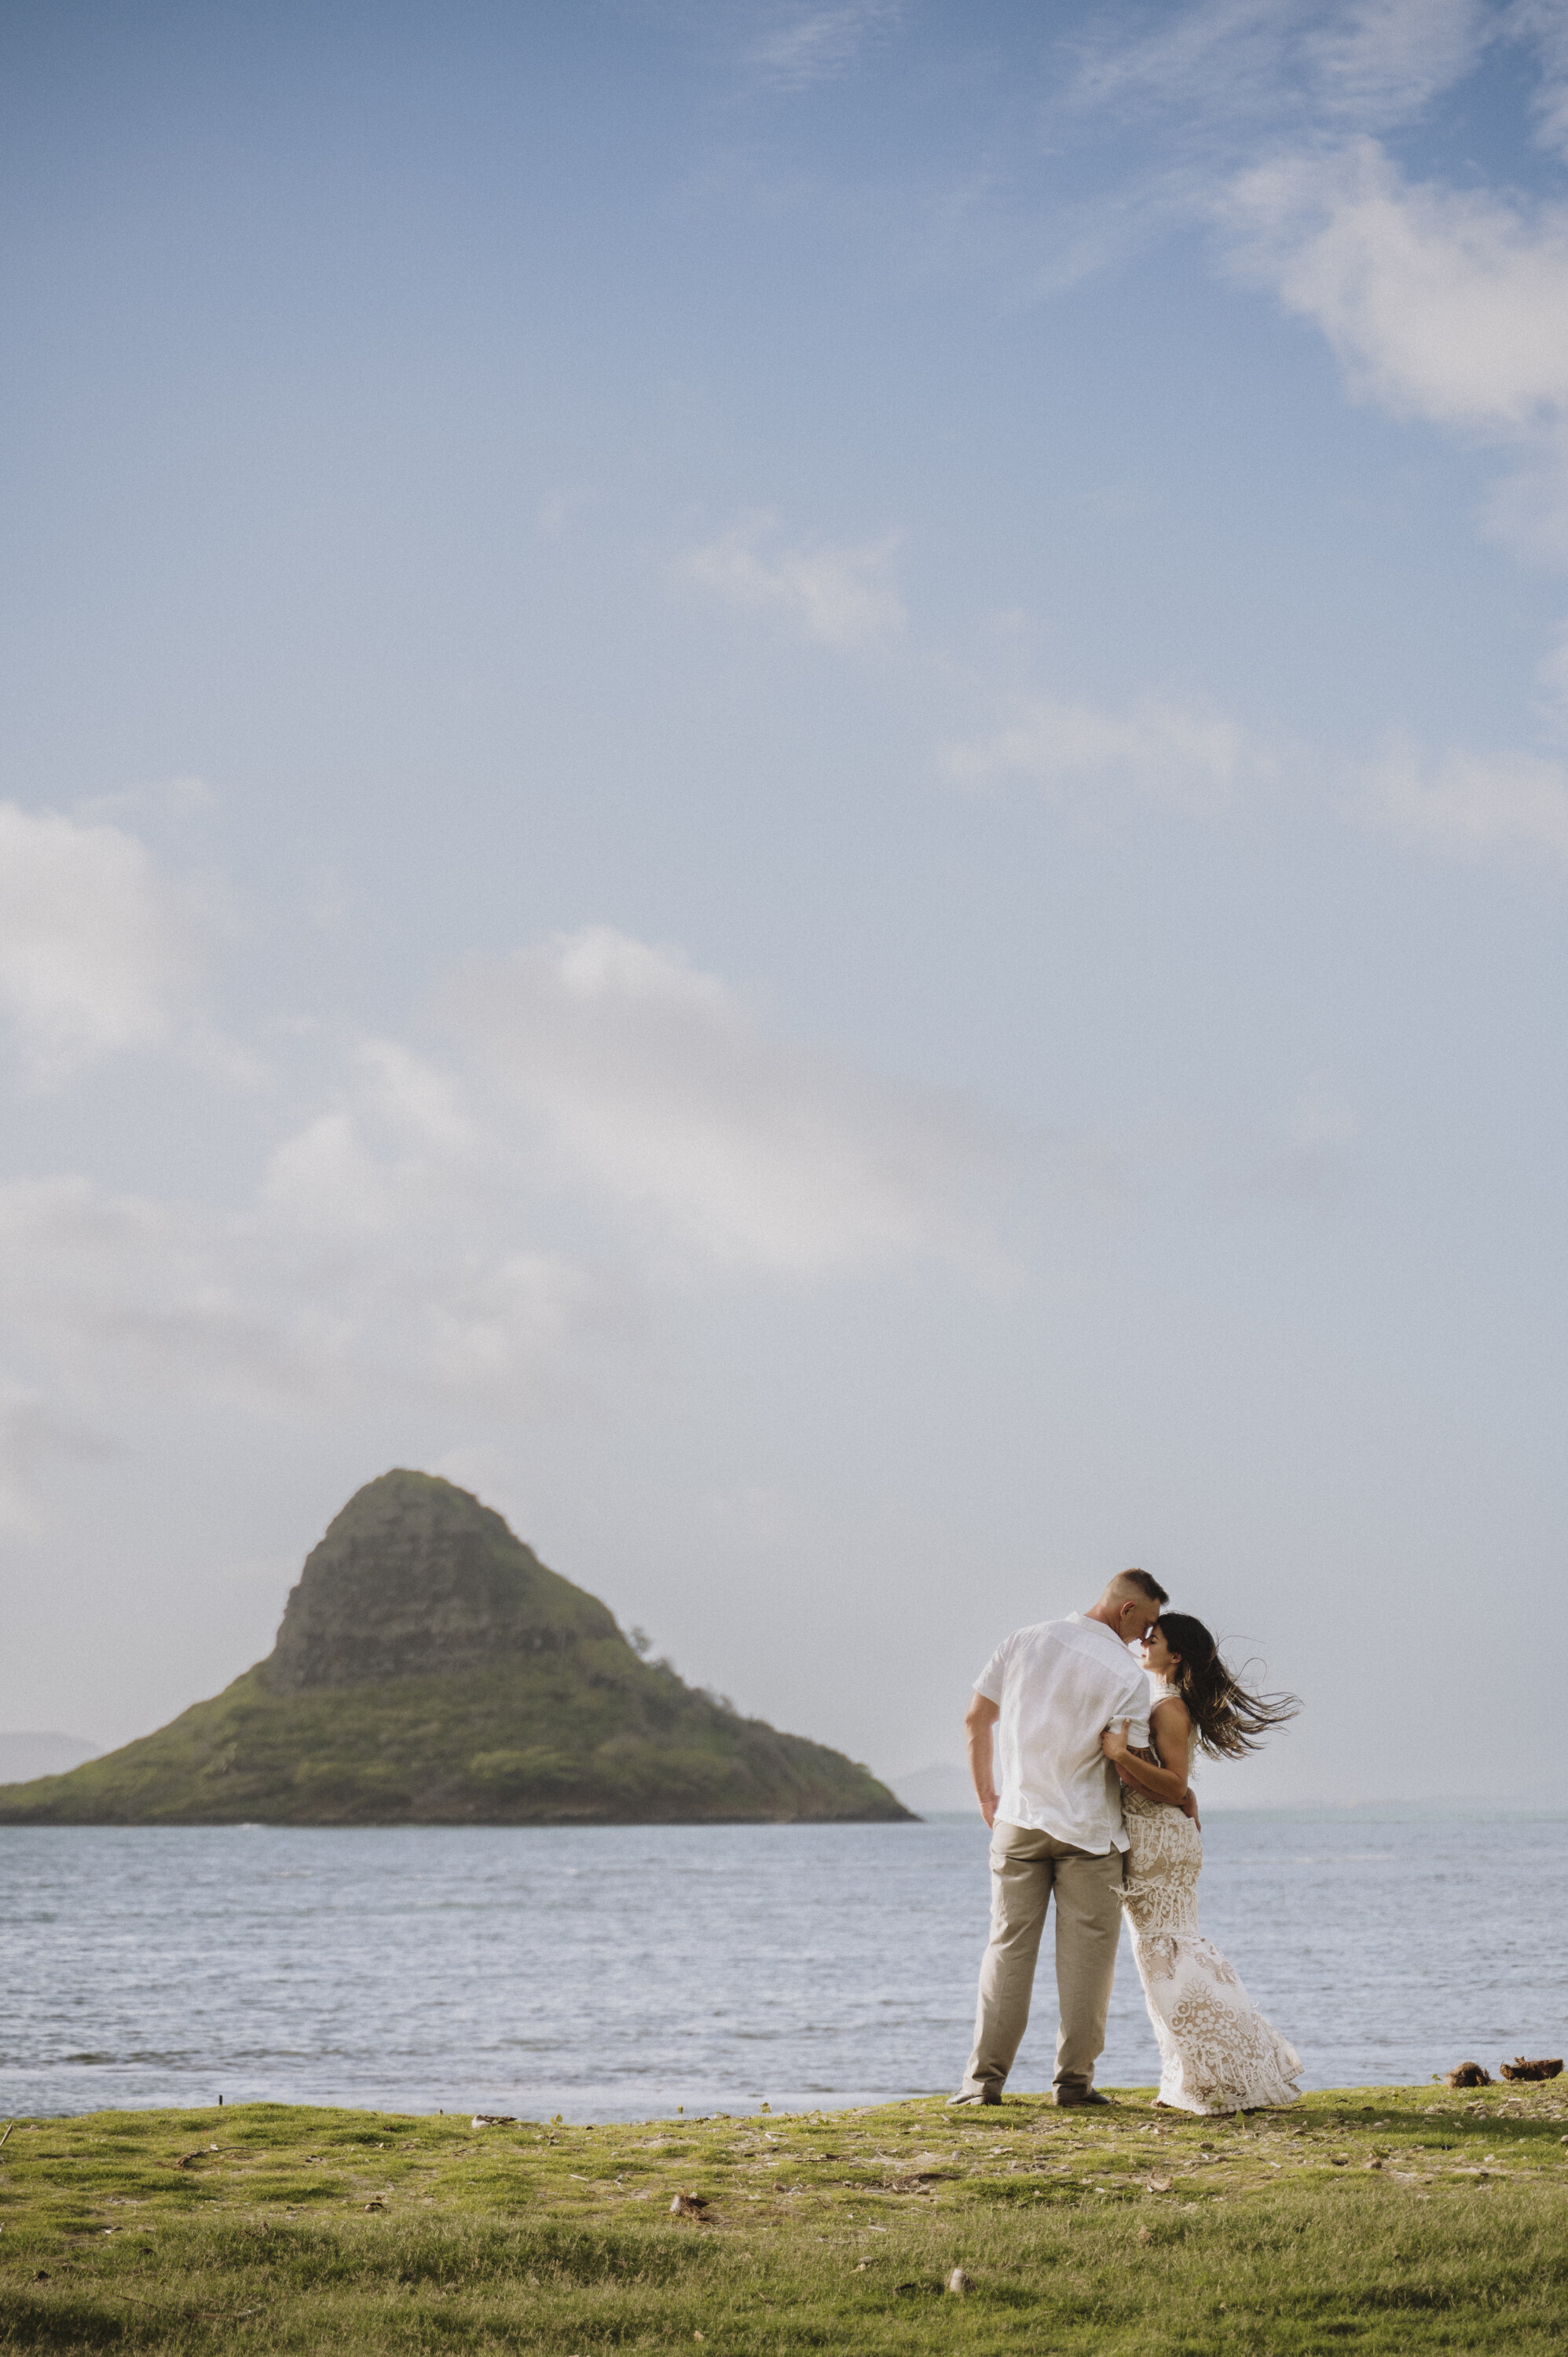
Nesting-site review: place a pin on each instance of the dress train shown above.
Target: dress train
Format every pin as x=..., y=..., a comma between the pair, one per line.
x=1218, y=2052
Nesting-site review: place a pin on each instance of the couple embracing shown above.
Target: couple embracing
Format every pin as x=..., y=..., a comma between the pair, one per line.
x=1092, y=1751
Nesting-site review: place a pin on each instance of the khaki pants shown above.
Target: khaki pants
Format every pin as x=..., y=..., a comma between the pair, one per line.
x=1026, y=1868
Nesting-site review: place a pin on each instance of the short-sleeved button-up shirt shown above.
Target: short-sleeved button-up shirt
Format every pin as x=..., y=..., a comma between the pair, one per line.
x=1058, y=1686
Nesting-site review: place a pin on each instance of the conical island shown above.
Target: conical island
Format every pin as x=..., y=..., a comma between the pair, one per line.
x=430, y=1670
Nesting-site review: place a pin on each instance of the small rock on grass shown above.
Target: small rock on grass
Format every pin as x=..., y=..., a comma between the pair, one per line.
x=958, y=2281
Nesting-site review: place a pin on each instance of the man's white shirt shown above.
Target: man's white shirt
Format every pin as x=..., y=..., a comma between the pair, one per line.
x=1058, y=1686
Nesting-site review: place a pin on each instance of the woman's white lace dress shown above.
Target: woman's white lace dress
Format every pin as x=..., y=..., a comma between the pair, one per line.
x=1218, y=2052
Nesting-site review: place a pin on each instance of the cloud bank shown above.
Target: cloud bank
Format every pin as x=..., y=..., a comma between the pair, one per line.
x=602, y=1120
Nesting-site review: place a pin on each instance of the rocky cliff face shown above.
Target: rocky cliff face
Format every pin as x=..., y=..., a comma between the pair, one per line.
x=415, y=1579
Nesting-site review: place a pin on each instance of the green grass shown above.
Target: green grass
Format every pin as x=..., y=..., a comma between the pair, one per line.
x=282, y=2228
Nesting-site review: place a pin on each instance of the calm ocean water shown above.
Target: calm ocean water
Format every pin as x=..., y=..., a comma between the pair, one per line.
x=619, y=1973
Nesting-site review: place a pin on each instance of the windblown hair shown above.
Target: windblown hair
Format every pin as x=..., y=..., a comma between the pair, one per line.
x=1230, y=1720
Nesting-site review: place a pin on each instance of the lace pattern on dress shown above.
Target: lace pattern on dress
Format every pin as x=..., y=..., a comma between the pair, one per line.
x=1218, y=2052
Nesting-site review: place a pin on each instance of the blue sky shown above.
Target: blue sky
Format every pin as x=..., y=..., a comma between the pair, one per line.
x=791, y=778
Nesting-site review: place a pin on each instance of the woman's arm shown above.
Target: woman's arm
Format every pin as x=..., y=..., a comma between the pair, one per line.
x=1168, y=1724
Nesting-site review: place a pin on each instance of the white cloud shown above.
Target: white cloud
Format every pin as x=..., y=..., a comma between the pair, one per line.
x=1384, y=60
x=391, y=1152
x=326, y=1179
x=98, y=951
x=1460, y=804
x=1442, y=303
x=810, y=45
x=1445, y=305
x=1254, y=64
x=1467, y=803
x=1544, y=25
x=1182, y=753
x=654, y=1086
x=384, y=1248
x=1227, y=54
x=1439, y=304
x=840, y=596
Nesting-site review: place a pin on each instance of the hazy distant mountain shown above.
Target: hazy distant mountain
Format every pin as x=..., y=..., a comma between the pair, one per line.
x=23, y=1756
x=938, y=1791
x=430, y=1670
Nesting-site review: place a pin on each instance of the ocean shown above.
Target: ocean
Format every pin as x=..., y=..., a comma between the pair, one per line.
x=617, y=1972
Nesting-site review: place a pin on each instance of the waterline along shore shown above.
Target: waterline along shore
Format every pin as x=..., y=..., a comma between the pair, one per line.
x=402, y=1968
x=1391, y=2219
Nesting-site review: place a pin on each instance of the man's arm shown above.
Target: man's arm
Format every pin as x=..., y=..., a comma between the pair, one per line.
x=978, y=1722
x=1167, y=1782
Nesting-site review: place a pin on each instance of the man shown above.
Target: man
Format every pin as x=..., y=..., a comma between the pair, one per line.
x=1048, y=1694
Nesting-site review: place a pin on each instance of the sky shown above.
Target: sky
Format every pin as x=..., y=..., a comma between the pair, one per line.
x=790, y=778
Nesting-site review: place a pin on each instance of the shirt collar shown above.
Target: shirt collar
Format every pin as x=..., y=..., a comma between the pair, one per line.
x=1082, y=1621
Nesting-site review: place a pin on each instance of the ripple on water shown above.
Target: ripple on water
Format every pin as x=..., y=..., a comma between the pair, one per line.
x=618, y=1971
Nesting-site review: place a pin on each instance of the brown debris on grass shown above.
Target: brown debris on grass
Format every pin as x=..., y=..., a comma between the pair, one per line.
x=318, y=2231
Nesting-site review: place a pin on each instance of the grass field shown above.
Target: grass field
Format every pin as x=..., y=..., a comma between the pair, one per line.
x=1399, y=2219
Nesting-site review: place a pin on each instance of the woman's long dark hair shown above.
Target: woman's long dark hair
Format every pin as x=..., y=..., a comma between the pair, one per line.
x=1231, y=1721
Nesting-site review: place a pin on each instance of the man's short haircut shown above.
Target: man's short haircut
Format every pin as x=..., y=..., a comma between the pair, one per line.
x=1143, y=1583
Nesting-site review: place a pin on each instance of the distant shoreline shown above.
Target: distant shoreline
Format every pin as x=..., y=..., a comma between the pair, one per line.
x=1284, y=1813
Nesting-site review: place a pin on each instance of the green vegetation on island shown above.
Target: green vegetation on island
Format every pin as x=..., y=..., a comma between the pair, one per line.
x=430, y=1670
x=1391, y=2221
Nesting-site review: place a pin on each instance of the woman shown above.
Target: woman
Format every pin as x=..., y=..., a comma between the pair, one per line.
x=1218, y=2052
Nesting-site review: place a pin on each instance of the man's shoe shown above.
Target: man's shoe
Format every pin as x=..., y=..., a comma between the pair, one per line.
x=983, y=2095
x=1069, y=2098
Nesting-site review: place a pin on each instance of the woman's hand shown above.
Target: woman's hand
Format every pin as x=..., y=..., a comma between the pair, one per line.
x=1114, y=1742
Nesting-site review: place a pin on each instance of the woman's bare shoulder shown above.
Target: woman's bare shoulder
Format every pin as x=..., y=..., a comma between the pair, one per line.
x=1171, y=1711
